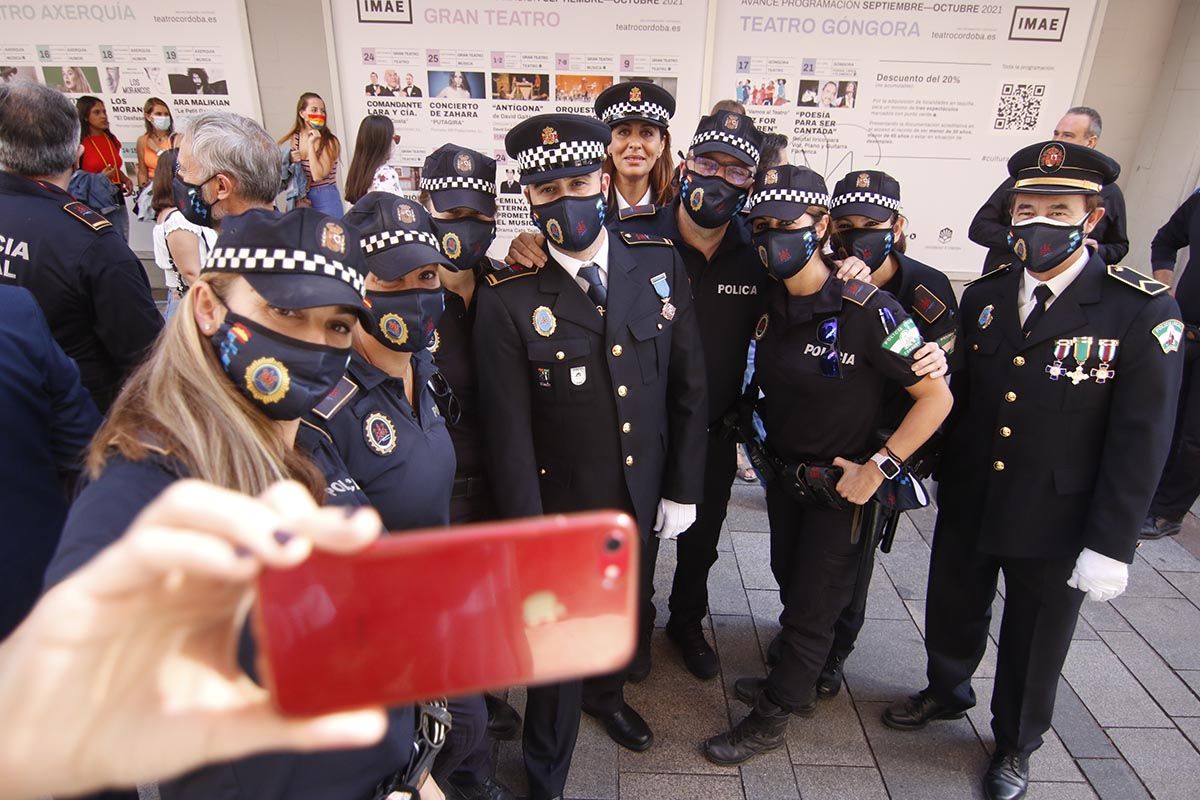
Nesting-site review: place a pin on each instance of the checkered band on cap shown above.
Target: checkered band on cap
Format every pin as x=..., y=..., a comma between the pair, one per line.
x=788, y=196
x=378, y=242
x=728, y=138
x=865, y=197
x=458, y=182
x=267, y=260
x=618, y=111
x=563, y=154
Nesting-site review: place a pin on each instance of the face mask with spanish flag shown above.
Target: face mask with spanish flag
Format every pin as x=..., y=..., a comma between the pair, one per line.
x=316, y=120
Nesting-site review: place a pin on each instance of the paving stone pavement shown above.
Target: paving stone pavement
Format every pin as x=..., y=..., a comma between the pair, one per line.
x=1127, y=722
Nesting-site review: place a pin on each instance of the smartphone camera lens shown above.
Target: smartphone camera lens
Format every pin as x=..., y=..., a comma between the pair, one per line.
x=614, y=543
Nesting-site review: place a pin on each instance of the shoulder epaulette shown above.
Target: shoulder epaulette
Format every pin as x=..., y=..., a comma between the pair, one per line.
x=858, y=292
x=87, y=215
x=637, y=211
x=335, y=400
x=496, y=264
x=926, y=304
x=646, y=238
x=305, y=423
x=1142, y=282
x=508, y=272
x=1000, y=270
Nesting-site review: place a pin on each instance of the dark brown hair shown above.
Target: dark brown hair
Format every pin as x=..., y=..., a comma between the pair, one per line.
x=84, y=106
x=371, y=150
x=662, y=176
x=161, y=194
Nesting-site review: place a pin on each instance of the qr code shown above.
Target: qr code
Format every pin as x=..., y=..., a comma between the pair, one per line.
x=1019, y=107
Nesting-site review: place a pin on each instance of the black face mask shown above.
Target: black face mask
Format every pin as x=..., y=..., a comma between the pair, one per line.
x=709, y=200
x=284, y=377
x=872, y=245
x=1041, y=244
x=189, y=199
x=785, y=252
x=465, y=241
x=571, y=223
x=405, y=320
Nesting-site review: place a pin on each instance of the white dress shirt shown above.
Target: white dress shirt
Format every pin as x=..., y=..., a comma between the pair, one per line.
x=645, y=201
x=572, y=265
x=1058, y=284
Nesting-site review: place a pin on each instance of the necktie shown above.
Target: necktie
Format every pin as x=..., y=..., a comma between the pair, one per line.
x=596, y=291
x=1042, y=293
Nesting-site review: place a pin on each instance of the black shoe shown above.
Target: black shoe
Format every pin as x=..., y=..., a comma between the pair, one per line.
x=504, y=723
x=491, y=789
x=625, y=727
x=763, y=730
x=829, y=682
x=748, y=689
x=639, y=670
x=1160, y=527
x=1007, y=778
x=698, y=655
x=774, y=649
x=918, y=711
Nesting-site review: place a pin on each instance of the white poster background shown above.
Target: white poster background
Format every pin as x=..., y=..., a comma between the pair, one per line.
x=516, y=60
x=937, y=94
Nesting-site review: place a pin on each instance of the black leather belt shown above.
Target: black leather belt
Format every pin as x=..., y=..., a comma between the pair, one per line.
x=468, y=487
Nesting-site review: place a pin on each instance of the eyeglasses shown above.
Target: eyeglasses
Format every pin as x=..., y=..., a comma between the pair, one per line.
x=831, y=359
x=445, y=397
x=734, y=174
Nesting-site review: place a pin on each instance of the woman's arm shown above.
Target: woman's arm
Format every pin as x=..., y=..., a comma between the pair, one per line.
x=184, y=247
x=143, y=174
x=321, y=162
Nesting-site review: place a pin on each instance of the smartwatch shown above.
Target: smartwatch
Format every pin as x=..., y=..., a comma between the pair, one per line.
x=887, y=465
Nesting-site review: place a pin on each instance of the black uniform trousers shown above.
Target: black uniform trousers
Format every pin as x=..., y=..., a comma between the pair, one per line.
x=468, y=750
x=696, y=548
x=815, y=565
x=1180, y=483
x=1040, y=613
x=850, y=623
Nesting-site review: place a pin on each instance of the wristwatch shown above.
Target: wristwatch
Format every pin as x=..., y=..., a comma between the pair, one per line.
x=887, y=465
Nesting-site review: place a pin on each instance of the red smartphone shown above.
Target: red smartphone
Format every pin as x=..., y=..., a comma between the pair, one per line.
x=450, y=611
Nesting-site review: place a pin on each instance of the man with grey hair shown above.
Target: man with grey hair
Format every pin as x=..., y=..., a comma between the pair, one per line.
x=89, y=284
x=227, y=166
x=1080, y=125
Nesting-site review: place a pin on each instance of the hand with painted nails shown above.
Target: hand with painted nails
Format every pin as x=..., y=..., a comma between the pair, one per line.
x=127, y=672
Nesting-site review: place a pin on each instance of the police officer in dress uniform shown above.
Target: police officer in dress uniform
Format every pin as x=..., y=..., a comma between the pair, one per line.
x=867, y=223
x=1179, y=485
x=828, y=348
x=1061, y=424
x=386, y=424
x=595, y=360
x=89, y=284
x=639, y=114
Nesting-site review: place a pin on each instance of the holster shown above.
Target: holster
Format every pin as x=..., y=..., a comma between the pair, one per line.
x=433, y=723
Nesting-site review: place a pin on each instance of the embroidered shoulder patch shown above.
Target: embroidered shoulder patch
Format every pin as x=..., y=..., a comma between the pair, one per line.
x=927, y=304
x=905, y=339
x=858, y=292
x=1131, y=277
x=1169, y=335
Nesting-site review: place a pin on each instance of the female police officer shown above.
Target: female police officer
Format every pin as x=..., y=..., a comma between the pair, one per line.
x=258, y=341
x=825, y=350
x=639, y=155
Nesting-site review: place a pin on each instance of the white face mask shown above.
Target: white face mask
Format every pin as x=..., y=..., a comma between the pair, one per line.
x=161, y=121
x=1048, y=221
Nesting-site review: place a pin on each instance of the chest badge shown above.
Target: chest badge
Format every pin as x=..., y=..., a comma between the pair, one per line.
x=1062, y=349
x=1106, y=351
x=542, y=375
x=985, y=316
x=380, y=433
x=760, y=330
x=1083, y=351
x=544, y=321
x=663, y=289
x=578, y=376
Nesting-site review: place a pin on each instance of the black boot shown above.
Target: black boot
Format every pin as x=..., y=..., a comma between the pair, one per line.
x=491, y=789
x=698, y=655
x=829, y=682
x=748, y=689
x=1160, y=527
x=760, y=732
x=1007, y=778
x=503, y=723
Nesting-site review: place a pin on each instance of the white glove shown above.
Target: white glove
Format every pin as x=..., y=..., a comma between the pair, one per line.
x=1101, y=577
x=673, y=518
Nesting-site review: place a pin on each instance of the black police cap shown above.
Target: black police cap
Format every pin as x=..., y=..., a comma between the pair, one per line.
x=730, y=133
x=786, y=192
x=302, y=259
x=397, y=235
x=552, y=146
x=1061, y=168
x=869, y=192
x=635, y=101
x=459, y=177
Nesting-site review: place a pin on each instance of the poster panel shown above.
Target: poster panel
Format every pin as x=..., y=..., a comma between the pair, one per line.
x=937, y=94
x=467, y=71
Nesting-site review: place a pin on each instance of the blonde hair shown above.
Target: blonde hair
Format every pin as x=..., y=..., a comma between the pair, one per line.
x=180, y=403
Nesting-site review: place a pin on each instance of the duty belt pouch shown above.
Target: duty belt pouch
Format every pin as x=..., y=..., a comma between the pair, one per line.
x=433, y=724
x=814, y=484
x=1191, y=333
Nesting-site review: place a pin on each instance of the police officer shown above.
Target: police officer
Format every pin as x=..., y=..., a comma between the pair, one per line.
x=639, y=162
x=47, y=419
x=1180, y=482
x=1081, y=126
x=259, y=340
x=867, y=223
x=385, y=421
x=89, y=284
x=829, y=348
x=595, y=360
x=1062, y=423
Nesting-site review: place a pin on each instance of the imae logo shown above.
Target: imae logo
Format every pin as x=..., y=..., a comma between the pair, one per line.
x=398, y=11
x=1038, y=24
